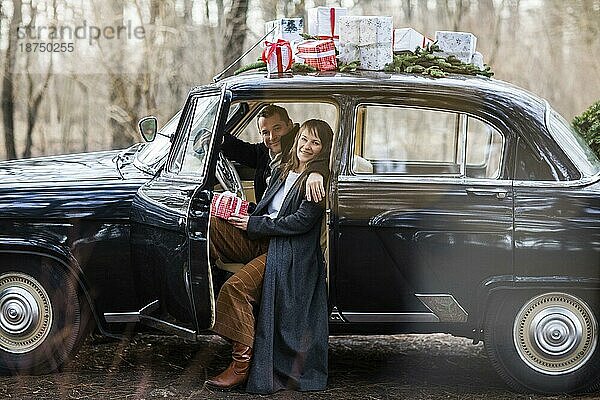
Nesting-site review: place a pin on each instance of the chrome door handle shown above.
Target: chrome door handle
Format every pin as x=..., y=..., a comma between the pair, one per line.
x=498, y=193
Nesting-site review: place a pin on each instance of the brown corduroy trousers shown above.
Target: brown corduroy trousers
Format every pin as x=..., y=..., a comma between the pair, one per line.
x=239, y=295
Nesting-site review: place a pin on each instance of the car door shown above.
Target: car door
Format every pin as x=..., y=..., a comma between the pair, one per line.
x=424, y=213
x=170, y=217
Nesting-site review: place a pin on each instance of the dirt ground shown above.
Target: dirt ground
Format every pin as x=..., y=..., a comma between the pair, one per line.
x=360, y=367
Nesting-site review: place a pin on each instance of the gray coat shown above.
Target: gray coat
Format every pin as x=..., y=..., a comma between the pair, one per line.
x=291, y=341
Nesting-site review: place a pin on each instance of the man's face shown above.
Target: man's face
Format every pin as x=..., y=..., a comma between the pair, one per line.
x=272, y=129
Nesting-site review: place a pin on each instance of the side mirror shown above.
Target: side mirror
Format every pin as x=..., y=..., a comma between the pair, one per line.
x=148, y=128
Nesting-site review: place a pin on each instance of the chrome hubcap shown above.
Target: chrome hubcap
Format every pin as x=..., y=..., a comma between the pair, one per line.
x=555, y=333
x=25, y=313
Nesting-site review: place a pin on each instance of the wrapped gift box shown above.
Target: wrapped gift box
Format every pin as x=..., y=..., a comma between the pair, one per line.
x=368, y=40
x=289, y=29
x=477, y=60
x=318, y=53
x=324, y=22
x=278, y=56
x=459, y=44
x=408, y=39
x=225, y=204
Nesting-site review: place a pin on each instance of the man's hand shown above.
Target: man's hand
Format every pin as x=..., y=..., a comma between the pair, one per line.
x=315, y=191
x=239, y=221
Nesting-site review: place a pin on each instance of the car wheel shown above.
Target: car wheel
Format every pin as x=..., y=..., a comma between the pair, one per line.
x=42, y=320
x=544, y=343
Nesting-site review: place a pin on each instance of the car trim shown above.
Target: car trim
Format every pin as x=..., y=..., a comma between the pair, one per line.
x=424, y=179
x=560, y=184
x=444, y=306
x=389, y=317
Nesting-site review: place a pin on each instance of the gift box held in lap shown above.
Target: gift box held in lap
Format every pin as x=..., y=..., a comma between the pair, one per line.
x=278, y=56
x=408, y=39
x=289, y=29
x=459, y=44
x=368, y=40
x=324, y=22
x=318, y=53
x=225, y=204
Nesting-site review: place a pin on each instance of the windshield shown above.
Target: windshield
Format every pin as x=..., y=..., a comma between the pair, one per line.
x=573, y=144
x=152, y=155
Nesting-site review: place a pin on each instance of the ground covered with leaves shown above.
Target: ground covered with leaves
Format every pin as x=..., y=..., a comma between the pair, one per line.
x=361, y=367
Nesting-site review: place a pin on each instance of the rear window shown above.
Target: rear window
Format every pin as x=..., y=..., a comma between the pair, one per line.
x=573, y=144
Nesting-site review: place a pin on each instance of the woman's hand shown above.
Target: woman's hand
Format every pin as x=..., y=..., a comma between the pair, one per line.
x=239, y=221
x=315, y=191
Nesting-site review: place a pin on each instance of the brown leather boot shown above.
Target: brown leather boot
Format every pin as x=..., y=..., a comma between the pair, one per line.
x=237, y=373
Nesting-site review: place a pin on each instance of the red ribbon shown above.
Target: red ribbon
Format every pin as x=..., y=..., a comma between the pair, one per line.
x=332, y=23
x=275, y=47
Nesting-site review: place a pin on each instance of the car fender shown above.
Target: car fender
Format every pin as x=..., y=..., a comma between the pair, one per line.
x=497, y=284
x=56, y=252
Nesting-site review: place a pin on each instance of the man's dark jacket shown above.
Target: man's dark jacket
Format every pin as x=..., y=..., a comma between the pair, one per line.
x=256, y=155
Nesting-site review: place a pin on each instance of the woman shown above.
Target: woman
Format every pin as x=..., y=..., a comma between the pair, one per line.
x=290, y=344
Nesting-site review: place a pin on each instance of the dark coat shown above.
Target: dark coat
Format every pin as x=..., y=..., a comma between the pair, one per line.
x=291, y=341
x=255, y=155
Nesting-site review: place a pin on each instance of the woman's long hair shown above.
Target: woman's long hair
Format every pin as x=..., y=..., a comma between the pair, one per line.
x=318, y=128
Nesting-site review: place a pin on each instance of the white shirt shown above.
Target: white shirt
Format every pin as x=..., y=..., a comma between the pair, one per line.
x=277, y=200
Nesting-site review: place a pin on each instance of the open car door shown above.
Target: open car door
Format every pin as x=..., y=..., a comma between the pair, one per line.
x=170, y=216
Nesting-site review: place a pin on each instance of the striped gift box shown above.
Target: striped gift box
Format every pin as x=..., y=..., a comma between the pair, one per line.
x=226, y=203
x=318, y=53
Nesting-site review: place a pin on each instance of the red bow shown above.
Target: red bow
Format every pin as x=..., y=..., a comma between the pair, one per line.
x=275, y=47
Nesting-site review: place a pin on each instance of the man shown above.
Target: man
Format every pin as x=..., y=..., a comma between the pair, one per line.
x=278, y=133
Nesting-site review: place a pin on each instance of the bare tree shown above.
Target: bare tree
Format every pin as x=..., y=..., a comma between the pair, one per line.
x=234, y=31
x=8, y=103
x=34, y=96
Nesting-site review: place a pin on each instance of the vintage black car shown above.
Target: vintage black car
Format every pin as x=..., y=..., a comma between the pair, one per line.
x=461, y=205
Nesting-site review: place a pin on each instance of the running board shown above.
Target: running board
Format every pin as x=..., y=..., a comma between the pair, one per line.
x=143, y=316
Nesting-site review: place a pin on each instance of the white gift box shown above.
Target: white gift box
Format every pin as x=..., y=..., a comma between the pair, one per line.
x=289, y=29
x=324, y=21
x=477, y=60
x=460, y=44
x=409, y=39
x=368, y=40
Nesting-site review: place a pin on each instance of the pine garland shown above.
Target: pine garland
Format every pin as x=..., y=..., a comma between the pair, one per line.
x=426, y=62
x=262, y=66
x=255, y=65
x=421, y=61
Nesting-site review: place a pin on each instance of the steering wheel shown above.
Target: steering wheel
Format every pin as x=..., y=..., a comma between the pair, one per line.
x=228, y=176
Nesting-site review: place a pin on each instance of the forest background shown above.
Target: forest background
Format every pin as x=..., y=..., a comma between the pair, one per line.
x=91, y=97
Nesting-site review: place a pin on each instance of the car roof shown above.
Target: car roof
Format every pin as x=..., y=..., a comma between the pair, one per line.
x=373, y=81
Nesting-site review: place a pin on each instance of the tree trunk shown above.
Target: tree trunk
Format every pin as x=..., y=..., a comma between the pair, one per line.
x=8, y=104
x=234, y=34
x=119, y=117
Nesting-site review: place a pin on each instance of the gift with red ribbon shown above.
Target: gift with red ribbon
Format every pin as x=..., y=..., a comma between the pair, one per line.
x=318, y=53
x=324, y=22
x=278, y=56
x=225, y=204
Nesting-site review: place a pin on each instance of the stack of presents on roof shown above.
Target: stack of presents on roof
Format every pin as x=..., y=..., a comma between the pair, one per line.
x=336, y=41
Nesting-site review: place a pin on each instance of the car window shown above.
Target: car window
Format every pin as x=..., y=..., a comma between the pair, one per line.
x=573, y=144
x=408, y=141
x=484, y=150
x=418, y=141
x=298, y=112
x=191, y=155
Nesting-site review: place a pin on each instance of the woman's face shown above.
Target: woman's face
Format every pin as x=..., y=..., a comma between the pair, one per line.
x=309, y=146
